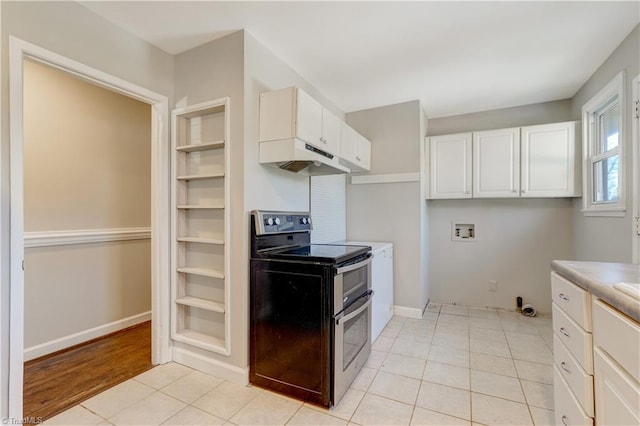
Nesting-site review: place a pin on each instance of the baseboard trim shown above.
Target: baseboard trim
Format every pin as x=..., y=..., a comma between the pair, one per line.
x=403, y=311
x=46, y=348
x=216, y=368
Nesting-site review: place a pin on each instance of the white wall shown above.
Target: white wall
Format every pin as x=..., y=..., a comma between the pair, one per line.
x=240, y=67
x=602, y=238
x=516, y=239
x=393, y=212
x=71, y=30
x=211, y=71
x=87, y=166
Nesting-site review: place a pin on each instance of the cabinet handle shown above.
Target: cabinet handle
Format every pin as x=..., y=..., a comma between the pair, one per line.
x=357, y=158
x=564, y=332
x=564, y=420
x=564, y=367
x=563, y=297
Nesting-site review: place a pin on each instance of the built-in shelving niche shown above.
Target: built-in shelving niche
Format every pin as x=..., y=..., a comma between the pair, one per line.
x=200, y=205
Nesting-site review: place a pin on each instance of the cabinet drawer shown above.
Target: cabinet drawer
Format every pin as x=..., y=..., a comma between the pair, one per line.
x=567, y=408
x=579, y=381
x=618, y=401
x=575, y=301
x=578, y=341
x=618, y=335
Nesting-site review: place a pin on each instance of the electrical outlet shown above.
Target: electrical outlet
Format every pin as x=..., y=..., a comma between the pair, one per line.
x=493, y=285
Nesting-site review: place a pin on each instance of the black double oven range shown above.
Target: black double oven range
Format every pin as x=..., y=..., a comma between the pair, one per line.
x=310, y=309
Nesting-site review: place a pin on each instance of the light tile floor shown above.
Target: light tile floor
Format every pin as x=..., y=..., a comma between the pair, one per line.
x=455, y=366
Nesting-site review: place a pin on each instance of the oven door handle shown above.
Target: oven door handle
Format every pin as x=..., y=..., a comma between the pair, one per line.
x=340, y=318
x=348, y=268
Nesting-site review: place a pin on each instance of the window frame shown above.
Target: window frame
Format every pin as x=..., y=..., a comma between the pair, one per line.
x=592, y=110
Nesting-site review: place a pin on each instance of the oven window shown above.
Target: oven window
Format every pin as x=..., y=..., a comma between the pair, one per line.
x=355, y=282
x=356, y=334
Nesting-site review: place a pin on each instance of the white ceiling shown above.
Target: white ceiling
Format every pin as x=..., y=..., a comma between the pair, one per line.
x=455, y=57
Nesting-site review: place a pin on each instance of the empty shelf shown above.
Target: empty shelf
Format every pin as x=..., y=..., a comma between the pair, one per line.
x=201, y=146
x=201, y=177
x=197, y=302
x=202, y=272
x=200, y=240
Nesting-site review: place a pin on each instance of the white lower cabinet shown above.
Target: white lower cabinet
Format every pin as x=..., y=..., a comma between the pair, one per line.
x=568, y=411
x=382, y=285
x=616, y=364
x=572, y=353
x=617, y=393
x=596, y=375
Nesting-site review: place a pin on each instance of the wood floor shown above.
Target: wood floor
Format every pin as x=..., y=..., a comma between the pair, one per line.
x=63, y=379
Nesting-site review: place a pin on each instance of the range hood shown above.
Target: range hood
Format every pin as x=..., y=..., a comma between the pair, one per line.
x=297, y=156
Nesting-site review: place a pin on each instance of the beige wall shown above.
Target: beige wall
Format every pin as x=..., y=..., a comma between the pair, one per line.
x=87, y=166
x=87, y=155
x=604, y=238
x=516, y=239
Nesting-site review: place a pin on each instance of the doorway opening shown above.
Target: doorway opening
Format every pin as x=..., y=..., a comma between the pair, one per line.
x=87, y=172
x=22, y=55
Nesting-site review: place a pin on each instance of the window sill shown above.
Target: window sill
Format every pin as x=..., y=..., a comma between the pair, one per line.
x=610, y=212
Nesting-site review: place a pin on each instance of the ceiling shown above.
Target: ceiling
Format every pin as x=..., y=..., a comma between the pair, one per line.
x=455, y=57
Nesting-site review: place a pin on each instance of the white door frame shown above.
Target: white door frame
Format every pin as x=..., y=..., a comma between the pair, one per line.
x=19, y=50
x=635, y=139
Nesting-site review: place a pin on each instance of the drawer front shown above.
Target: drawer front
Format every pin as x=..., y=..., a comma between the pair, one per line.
x=618, y=335
x=575, y=301
x=618, y=401
x=580, y=383
x=578, y=341
x=567, y=409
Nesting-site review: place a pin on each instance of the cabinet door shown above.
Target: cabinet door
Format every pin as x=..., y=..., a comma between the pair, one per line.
x=309, y=119
x=450, y=166
x=348, y=143
x=496, y=163
x=617, y=393
x=549, y=160
x=363, y=155
x=330, y=139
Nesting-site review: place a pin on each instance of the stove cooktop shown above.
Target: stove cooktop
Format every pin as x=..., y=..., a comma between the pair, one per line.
x=332, y=253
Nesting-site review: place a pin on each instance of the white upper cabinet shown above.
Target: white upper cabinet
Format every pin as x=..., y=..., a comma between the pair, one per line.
x=529, y=162
x=496, y=163
x=549, y=165
x=292, y=113
x=449, y=166
x=355, y=149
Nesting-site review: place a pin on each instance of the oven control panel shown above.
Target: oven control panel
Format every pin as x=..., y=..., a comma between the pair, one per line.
x=272, y=222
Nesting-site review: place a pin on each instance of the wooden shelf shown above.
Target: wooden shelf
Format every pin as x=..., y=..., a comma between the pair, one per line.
x=197, y=207
x=204, y=272
x=197, y=302
x=201, y=177
x=201, y=340
x=200, y=240
x=201, y=146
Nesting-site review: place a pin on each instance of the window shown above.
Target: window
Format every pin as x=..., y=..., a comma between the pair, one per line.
x=603, y=137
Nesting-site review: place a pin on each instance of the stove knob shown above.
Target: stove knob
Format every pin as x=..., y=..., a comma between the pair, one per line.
x=303, y=220
x=268, y=221
x=277, y=221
